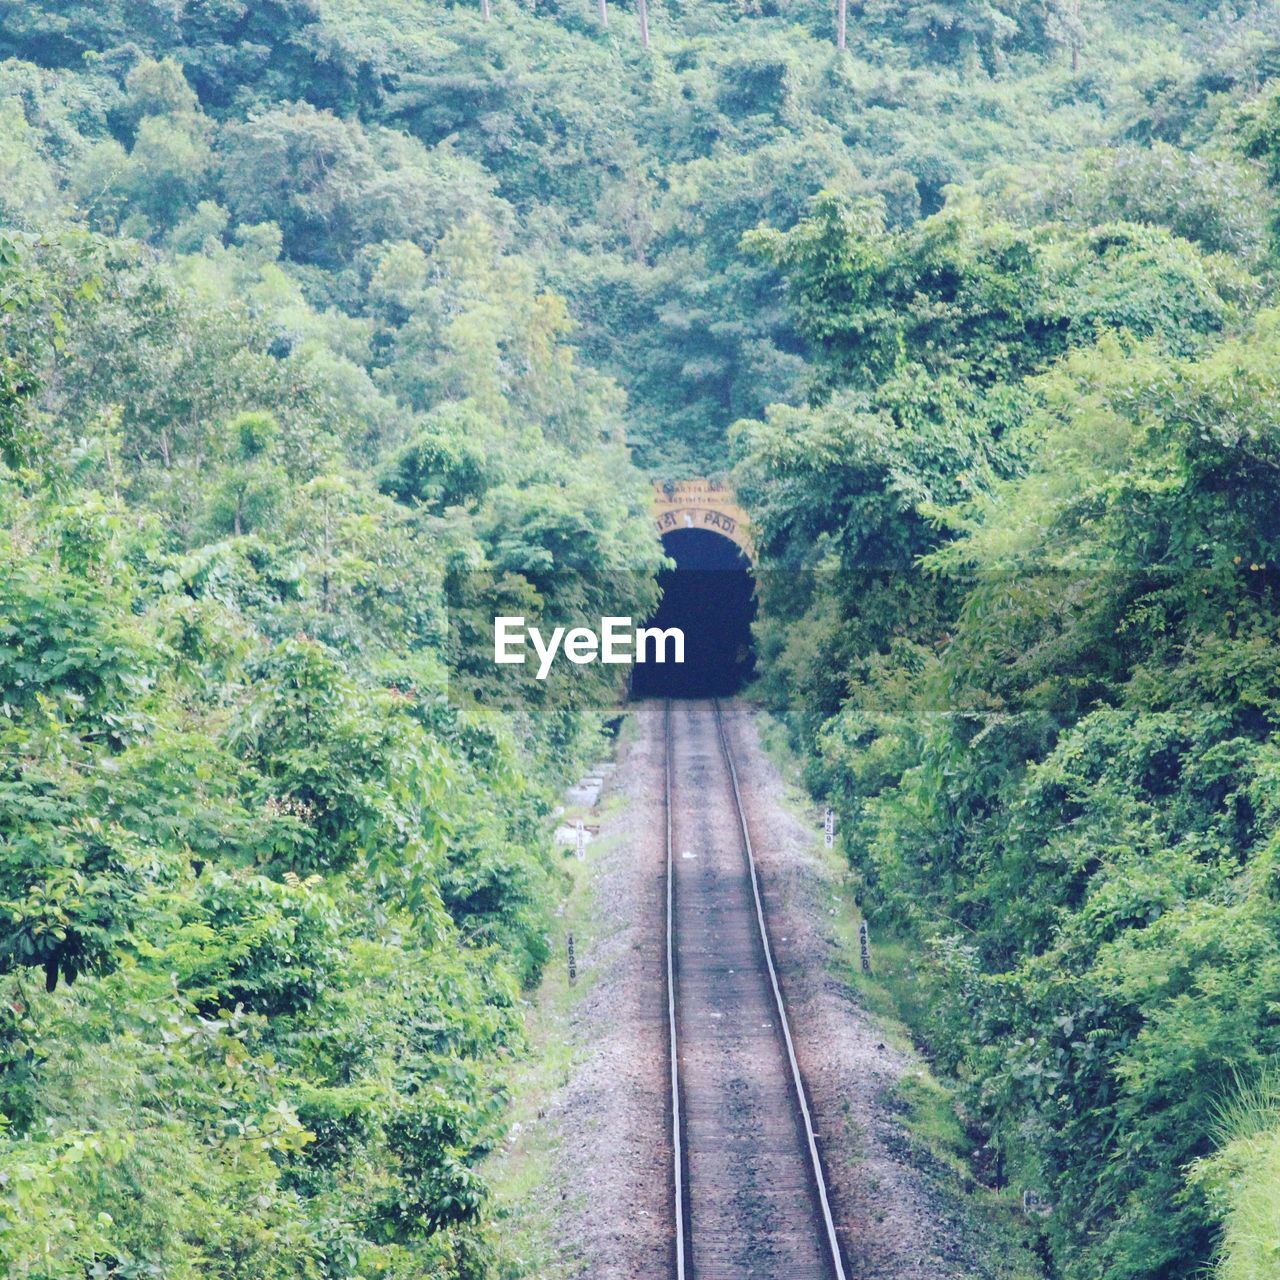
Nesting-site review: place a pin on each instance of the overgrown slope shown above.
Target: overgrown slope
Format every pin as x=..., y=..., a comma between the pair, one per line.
x=326, y=326
x=1020, y=603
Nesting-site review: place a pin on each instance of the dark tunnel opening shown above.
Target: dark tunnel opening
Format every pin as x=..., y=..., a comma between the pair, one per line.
x=710, y=596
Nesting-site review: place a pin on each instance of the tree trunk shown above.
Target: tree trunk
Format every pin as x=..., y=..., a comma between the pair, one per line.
x=485, y=11
x=603, y=9
x=842, y=16
x=642, y=8
x=111, y=468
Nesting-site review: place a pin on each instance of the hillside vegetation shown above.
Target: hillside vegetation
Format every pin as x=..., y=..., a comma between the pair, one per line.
x=1021, y=605
x=333, y=328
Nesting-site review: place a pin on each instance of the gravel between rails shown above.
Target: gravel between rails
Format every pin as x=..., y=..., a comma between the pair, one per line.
x=753, y=1206
x=611, y=1121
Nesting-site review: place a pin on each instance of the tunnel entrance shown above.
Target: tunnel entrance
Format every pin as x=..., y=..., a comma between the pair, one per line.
x=710, y=596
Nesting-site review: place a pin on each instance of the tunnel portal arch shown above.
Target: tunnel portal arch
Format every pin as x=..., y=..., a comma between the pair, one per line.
x=701, y=504
x=709, y=594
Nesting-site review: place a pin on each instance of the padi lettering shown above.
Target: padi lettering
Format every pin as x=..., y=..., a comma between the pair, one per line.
x=616, y=642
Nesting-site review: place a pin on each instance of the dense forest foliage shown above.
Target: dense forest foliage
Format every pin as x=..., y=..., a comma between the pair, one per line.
x=328, y=324
x=283, y=413
x=1020, y=553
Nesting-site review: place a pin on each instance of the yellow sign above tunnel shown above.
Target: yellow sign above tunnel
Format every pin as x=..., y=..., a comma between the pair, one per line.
x=701, y=504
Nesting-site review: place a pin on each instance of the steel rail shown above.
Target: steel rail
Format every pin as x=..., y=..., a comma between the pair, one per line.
x=677, y=1123
x=820, y=1181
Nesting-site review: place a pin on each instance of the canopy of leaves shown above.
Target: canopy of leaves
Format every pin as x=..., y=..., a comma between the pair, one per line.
x=326, y=326
x=274, y=840
x=1019, y=606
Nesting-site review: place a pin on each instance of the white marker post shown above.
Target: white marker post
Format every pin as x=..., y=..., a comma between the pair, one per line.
x=829, y=827
x=581, y=832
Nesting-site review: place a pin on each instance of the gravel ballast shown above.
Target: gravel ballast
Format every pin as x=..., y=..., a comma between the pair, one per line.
x=610, y=1124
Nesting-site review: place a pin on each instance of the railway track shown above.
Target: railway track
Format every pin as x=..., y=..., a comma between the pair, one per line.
x=749, y=1195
